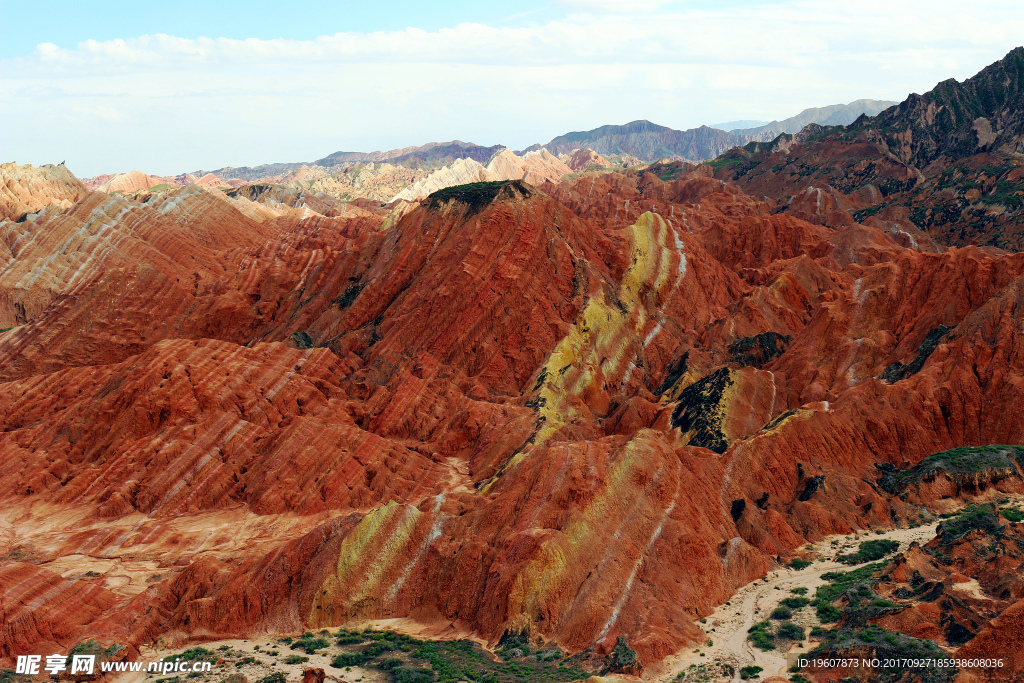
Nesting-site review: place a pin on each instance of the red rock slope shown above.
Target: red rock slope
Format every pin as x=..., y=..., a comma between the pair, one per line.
x=583, y=411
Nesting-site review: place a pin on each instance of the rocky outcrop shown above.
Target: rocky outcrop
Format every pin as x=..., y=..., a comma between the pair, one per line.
x=26, y=189
x=461, y=172
x=584, y=159
x=533, y=167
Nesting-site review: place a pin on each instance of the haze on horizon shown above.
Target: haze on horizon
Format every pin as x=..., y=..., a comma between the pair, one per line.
x=171, y=90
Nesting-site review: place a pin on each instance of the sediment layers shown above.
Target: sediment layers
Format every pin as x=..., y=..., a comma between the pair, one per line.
x=582, y=411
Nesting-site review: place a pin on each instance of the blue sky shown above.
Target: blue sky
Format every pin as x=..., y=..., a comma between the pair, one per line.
x=28, y=23
x=174, y=87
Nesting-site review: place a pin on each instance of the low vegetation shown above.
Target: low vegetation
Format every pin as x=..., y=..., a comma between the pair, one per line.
x=748, y=672
x=761, y=636
x=869, y=551
x=966, y=460
x=405, y=659
x=478, y=195
x=1012, y=514
x=984, y=517
x=839, y=583
x=310, y=644
x=875, y=642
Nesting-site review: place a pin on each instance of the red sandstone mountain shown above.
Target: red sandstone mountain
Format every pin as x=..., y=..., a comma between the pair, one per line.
x=580, y=410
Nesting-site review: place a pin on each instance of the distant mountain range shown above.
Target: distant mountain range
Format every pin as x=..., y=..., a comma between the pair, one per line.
x=650, y=142
x=647, y=141
x=832, y=115
x=949, y=161
x=641, y=139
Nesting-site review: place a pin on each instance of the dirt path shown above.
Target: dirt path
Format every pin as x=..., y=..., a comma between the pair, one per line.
x=727, y=627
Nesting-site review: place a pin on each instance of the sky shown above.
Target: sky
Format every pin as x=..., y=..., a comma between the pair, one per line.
x=169, y=88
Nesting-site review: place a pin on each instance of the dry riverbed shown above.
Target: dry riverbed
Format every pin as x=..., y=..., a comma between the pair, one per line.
x=727, y=628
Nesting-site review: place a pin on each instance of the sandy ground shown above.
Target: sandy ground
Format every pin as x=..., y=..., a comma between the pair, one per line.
x=266, y=662
x=269, y=654
x=727, y=627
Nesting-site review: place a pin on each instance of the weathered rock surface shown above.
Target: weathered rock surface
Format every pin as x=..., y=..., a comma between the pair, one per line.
x=582, y=159
x=535, y=167
x=942, y=168
x=137, y=181
x=25, y=189
x=586, y=410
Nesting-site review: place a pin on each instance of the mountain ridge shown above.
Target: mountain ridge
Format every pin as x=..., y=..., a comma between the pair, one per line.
x=653, y=142
x=948, y=162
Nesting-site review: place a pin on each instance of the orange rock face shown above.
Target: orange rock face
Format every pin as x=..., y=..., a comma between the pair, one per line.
x=582, y=410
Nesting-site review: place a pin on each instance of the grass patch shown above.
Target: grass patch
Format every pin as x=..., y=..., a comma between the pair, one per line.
x=478, y=195
x=869, y=551
x=839, y=583
x=1013, y=514
x=791, y=631
x=965, y=460
x=760, y=635
x=198, y=653
x=876, y=642
x=310, y=644
x=982, y=517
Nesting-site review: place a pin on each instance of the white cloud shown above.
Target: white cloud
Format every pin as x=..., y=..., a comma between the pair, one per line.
x=167, y=104
x=82, y=114
x=615, y=6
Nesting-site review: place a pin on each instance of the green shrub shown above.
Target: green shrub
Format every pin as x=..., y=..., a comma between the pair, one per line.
x=404, y=674
x=349, y=659
x=800, y=590
x=827, y=613
x=798, y=563
x=1013, y=514
x=276, y=677
x=781, y=613
x=790, y=631
x=869, y=551
x=295, y=659
x=971, y=518
x=309, y=644
x=200, y=653
x=748, y=672
x=760, y=636
x=380, y=647
x=389, y=663
x=796, y=603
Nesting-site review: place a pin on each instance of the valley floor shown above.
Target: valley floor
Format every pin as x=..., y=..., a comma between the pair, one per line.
x=728, y=626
